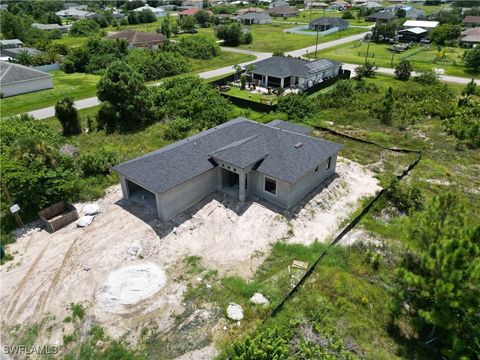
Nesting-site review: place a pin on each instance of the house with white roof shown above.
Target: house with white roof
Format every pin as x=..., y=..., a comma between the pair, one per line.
x=17, y=79
x=157, y=11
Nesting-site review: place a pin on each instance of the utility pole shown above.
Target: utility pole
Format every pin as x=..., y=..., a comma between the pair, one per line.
x=368, y=48
x=316, y=44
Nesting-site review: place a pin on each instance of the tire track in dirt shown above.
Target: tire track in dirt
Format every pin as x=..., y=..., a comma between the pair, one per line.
x=16, y=295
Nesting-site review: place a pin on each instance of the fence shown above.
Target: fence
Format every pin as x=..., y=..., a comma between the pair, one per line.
x=48, y=67
x=245, y=103
x=344, y=74
x=355, y=221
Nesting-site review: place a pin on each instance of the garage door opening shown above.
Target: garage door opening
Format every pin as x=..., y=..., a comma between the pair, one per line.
x=142, y=196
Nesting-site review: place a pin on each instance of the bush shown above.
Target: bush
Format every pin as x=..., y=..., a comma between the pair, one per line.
x=366, y=70
x=68, y=116
x=153, y=65
x=427, y=77
x=404, y=197
x=68, y=66
x=98, y=162
x=296, y=106
x=198, y=47
x=178, y=129
x=471, y=58
x=84, y=28
x=403, y=70
x=233, y=35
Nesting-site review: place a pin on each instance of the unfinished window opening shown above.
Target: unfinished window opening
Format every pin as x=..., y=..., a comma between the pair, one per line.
x=316, y=169
x=329, y=163
x=270, y=186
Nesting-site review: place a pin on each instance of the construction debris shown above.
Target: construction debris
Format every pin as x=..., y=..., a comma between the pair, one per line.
x=91, y=209
x=300, y=264
x=85, y=221
x=234, y=312
x=259, y=299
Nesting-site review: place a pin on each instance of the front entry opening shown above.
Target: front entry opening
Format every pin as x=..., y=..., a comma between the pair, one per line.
x=230, y=182
x=142, y=196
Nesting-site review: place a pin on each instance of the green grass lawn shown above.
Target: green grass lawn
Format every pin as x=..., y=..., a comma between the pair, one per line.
x=77, y=85
x=71, y=41
x=224, y=59
x=308, y=15
x=422, y=57
x=245, y=94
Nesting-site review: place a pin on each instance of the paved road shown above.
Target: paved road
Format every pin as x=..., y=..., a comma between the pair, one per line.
x=93, y=101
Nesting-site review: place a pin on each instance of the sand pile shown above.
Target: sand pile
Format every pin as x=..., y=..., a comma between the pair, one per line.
x=128, y=286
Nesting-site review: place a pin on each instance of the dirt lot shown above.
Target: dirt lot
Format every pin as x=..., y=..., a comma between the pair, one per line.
x=92, y=265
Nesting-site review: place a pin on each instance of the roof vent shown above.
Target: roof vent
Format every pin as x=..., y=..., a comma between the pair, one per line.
x=298, y=145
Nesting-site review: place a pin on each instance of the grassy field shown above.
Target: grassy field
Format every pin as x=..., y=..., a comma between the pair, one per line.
x=308, y=15
x=80, y=86
x=423, y=57
x=77, y=85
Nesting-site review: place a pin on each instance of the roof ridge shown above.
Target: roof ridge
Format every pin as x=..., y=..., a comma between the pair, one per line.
x=26, y=68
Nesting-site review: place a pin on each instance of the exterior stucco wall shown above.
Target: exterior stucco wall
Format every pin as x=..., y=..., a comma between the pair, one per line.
x=310, y=181
x=26, y=87
x=256, y=187
x=186, y=195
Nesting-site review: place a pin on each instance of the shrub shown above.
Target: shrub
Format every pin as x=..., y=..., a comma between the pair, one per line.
x=471, y=58
x=98, y=162
x=68, y=116
x=68, y=66
x=84, y=28
x=198, y=47
x=177, y=129
x=296, y=106
x=404, y=197
x=427, y=77
x=365, y=70
x=233, y=35
x=403, y=70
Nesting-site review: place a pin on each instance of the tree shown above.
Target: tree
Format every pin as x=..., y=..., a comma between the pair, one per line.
x=203, y=18
x=471, y=58
x=296, y=106
x=187, y=22
x=33, y=169
x=445, y=33
x=231, y=34
x=84, y=28
x=404, y=70
x=24, y=58
x=365, y=70
x=438, y=283
x=427, y=77
x=198, y=47
x=126, y=102
x=166, y=28
x=68, y=116
x=387, y=107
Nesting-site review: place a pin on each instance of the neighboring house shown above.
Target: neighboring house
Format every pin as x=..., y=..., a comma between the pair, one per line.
x=471, y=21
x=73, y=13
x=278, y=3
x=471, y=36
x=192, y=12
x=328, y=23
x=139, y=39
x=257, y=18
x=277, y=162
x=410, y=12
x=416, y=34
x=226, y=18
x=428, y=25
x=49, y=27
x=381, y=17
x=12, y=53
x=249, y=9
x=17, y=79
x=283, y=11
x=10, y=43
x=157, y=11
x=282, y=71
x=372, y=5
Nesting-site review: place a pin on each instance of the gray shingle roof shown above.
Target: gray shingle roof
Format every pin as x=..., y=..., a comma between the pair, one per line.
x=240, y=141
x=254, y=16
x=282, y=66
x=14, y=52
x=334, y=21
x=285, y=125
x=12, y=73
